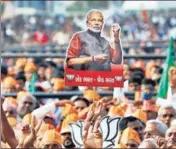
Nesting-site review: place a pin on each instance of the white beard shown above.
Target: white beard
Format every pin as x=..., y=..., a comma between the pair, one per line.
x=94, y=30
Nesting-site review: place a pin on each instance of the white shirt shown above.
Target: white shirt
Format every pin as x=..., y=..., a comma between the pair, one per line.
x=171, y=98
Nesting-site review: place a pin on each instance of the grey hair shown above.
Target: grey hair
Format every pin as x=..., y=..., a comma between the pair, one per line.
x=173, y=122
x=160, y=126
x=172, y=128
x=150, y=141
x=167, y=106
x=29, y=95
x=93, y=11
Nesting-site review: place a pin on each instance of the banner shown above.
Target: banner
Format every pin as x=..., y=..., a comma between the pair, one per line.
x=94, y=78
x=90, y=59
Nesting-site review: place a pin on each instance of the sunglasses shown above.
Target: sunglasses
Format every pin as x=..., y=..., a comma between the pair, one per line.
x=10, y=112
x=132, y=145
x=168, y=115
x=47, y=117
x=80, y=108
x=138, y=128
x=172, y=133
x=149, y=134
x=26, y=102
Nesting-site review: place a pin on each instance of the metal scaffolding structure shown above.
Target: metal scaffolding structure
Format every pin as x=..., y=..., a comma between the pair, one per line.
x=46, y=52
x=59, y=55
x=68, y=94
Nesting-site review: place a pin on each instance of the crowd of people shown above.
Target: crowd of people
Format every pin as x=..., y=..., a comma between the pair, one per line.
x=27, y=122
x=41, y=29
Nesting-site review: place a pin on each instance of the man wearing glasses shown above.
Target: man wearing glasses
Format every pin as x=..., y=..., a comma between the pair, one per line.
x=166, y=114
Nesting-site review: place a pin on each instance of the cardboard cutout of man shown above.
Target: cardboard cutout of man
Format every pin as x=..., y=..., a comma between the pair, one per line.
x=88, y=50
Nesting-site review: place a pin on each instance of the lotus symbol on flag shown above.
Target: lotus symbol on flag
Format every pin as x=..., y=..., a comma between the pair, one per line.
x=108, y=128
x=118, y=78
x=70, y=76
x=77, y=133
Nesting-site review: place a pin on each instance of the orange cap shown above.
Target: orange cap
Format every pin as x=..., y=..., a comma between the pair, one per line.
x=4, y=145
x=12, y=121
x=30, y=67
x=129, y=134
x=11, y=101
x=50, y=115
x=20, y=95
x=44, y=127
x=27, y=119
x=58, y=84
x=20, y=62
x=68, y=109
x=91, y=95
x=51, y=137
x=124, y=106
x=116, y=111
x=141, y=115
x=9, y=82
x=71, y=118
x=121, y=145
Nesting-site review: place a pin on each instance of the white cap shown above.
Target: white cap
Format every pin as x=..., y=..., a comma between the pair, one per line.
x=65, y=130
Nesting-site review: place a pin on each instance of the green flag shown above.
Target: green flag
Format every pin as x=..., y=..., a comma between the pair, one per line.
x=164, y=82
x=32, y=87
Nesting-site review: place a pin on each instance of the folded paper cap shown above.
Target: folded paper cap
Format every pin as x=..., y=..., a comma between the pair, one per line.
x=4, y=145
x=71, y=118
x=12, y=121
x=44, y=127
x=123, y=105
x=65, y=130
x=20, y=95
x=51, y=137
x=50, y=115
x=91, y=95
x=68, y=109
x=140, y=114
x=9, y=82
x=129, y=134
x=20, y=62
x=27, y=119
x=10, y=102
x=30, y=67
x=120, y=145
x=58, y=84
x=116, y=111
